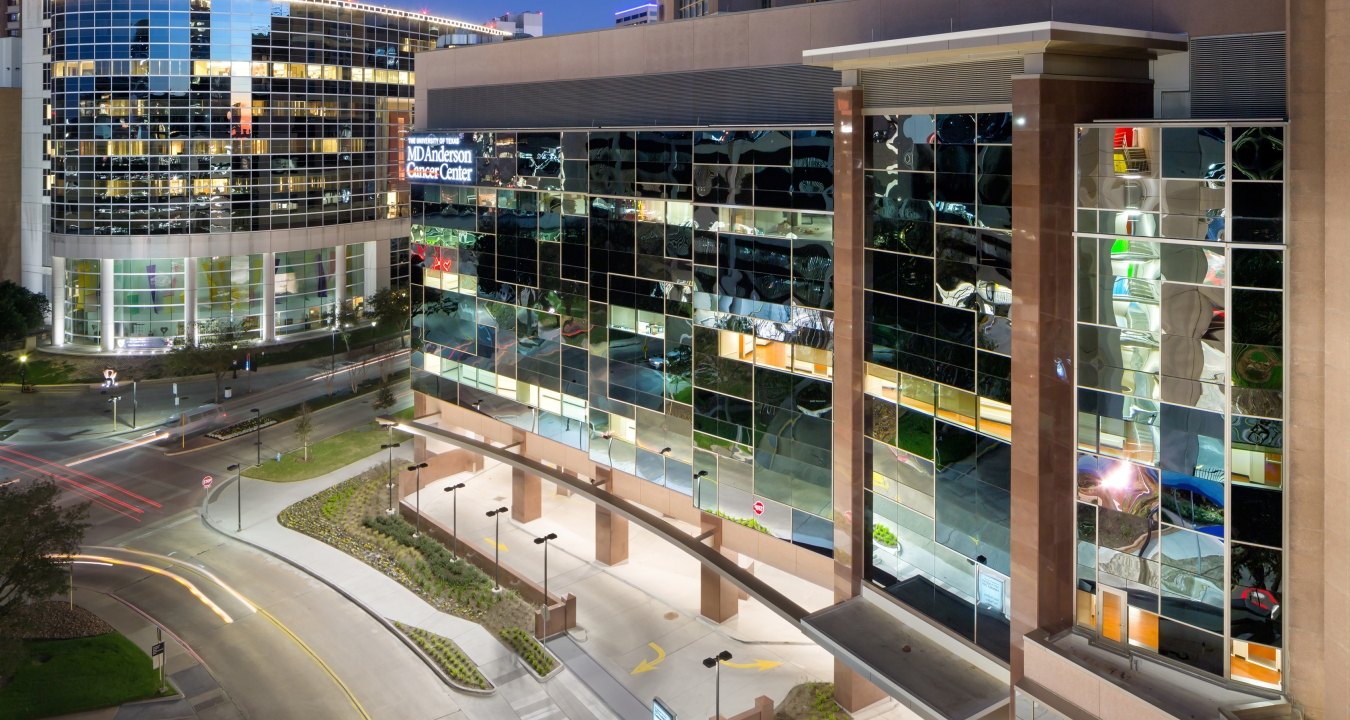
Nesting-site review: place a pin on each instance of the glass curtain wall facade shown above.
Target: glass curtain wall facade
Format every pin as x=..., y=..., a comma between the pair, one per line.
x=660, y=298
x=172, y=117
x=1181, y=393
x=937, y=392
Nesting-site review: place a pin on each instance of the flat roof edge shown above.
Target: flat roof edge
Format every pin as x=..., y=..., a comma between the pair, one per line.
x=1007, y=38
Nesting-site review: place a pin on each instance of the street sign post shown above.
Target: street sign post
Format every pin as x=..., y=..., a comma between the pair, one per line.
x=206, y=482
x=660, y=711
x=157, y=649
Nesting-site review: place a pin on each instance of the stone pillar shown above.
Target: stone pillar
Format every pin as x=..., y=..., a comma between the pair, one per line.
x=850, y=465
x=269, y=312
x=1317, y=583
x=851, y=690
x=190, y=299
x=611, y=531
x=58, y=301
x=1045, y=109
x=107, y=304
x=526, y=496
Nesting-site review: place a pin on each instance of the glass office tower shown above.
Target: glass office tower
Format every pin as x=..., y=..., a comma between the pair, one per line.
x=229, y=161
x=660, y=298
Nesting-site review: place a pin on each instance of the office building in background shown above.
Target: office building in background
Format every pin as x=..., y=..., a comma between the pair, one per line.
x=638, y=15
x=523, y=24
x=986, y=319
x=215, y=165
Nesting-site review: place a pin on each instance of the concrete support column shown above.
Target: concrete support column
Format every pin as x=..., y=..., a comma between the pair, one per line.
x=526, y=496
x=370, y=282
x=107, y=302
x=269, y=313
x=719, y=600
x=190, y=299
x=611, y=531
x=58, y=301
x=339, y=277
x=1045, y=109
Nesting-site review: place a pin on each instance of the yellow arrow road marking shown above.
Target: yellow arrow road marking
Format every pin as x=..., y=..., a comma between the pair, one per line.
x=644, y=666
x=493, y=543
x=760, y=665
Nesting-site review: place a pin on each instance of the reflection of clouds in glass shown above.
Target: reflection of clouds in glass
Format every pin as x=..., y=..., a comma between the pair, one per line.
x=919, y=129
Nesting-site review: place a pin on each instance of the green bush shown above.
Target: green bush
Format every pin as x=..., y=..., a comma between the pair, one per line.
x=884, y=536
x=448, y=656
x=529, y=650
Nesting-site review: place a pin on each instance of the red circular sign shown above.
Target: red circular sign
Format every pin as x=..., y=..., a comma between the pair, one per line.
x=206, y=481
x=759, y=507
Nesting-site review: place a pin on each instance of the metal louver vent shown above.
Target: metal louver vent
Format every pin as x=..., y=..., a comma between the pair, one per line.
x=974, y=83
x=790, y=94
x=1235, y=76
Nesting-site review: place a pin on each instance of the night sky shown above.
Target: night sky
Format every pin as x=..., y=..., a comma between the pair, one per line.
x=560, y=16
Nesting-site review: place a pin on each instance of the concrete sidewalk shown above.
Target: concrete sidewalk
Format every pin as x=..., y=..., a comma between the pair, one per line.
x=519, y=695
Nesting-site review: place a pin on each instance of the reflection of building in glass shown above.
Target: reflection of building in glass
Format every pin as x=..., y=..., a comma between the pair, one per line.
x=238, y=163
x=1009, y=380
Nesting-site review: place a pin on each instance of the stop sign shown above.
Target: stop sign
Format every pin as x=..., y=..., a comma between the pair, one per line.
x=206, y=481
x=758, y=507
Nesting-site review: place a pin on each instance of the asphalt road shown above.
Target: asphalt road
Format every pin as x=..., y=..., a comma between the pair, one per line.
x=280, y=643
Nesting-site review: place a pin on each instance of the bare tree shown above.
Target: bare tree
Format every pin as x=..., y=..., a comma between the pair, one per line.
x=304, y=427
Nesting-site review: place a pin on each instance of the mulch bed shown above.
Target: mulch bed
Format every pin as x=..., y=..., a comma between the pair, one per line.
x=54, y=620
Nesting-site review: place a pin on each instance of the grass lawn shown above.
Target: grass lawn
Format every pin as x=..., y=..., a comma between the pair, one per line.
x=326, y=456
x=68, y=676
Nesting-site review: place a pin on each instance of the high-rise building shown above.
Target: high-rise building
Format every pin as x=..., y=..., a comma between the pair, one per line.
x=981, y=313
x=644, y=14
x=523, y=24
x=215, y=162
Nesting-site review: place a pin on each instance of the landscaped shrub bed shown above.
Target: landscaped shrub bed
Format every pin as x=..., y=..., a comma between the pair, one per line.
x=241, y=428
x=529, y=649
x=468, y=585
x=351, y=517
x=448, y=656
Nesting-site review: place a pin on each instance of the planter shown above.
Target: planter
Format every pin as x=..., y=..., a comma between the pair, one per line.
x=240, y=429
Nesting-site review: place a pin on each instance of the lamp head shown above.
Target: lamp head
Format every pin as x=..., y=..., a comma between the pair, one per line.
x=709, y=663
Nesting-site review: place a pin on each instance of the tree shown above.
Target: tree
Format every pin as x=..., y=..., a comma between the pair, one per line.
x=34, y=535
x=215, y=352
x=304, y=427
x=384, y=399
x=22, y=311
x=389, y=307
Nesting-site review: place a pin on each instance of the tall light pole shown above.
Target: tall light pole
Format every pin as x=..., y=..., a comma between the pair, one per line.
x=23, y=373
x=716, y=662
x=257, y=432
x=544, y=541
x=134, y=404
x=390, y=447
x=454, y=516
x=665, y=468
x=497, y=549
x=237, y=469
x=418, y=468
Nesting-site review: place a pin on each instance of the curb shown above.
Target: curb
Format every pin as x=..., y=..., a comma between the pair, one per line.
x=220, y=443
x=407, y=642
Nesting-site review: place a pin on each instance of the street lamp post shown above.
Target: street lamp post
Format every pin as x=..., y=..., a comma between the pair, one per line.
x=454, y=516
x=257, y=432
x=698, y=488
x=23, y=373
x=497, y=549
x=418, y=468
x=390, y=447
x=665, y=466
x=716, y=662
x=134, y=404
x=544, y=541
x=238, y=469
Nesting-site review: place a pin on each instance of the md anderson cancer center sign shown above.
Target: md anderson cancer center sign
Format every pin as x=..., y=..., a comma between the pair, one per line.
x=446, y=159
